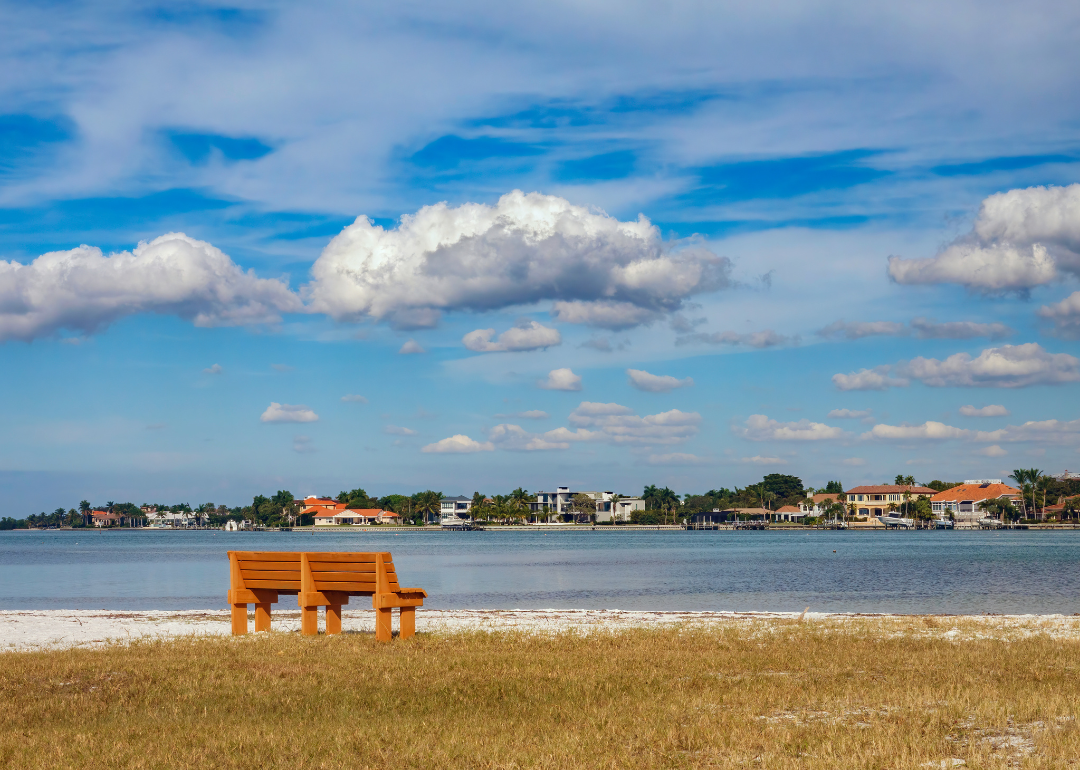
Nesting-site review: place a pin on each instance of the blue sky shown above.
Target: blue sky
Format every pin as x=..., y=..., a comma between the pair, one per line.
x=792, y=238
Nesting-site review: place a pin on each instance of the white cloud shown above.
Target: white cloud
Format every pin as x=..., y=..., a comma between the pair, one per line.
x=527, y=248
x=928, y=328
x=84, y=290
x=878, y=378
x=288, y=413
x=561, y=379
x=411, y=347
x=858, y=330
x=396, y=430
x=854, y=462
x=532, y=414
x=528, y=335
x=992, y=451
x=656, y=383
x=991, y=410
x=603, y=314
x=1009, y=366
x=760, y=428
x=215, y=369
x=928, y=430
x=922, y=328
x=677, y=458
x=849, y=414
x=763, y=339
x=1021, y=239
x=1041, y=431
x=302, y=445
x=760, y=460
x=354, y=398
x=1065, y=316
x=458, y=444
x=618, y=424
x=515, y=438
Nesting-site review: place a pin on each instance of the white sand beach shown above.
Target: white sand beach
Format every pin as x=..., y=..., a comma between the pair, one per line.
x=22, y=630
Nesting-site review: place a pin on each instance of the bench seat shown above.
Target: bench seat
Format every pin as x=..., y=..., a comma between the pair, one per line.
x=320, y=580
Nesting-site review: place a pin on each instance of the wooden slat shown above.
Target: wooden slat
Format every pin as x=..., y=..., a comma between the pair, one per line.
x=342, y=586
x=343, y=577
x=271, y=566
x=253, y=577
x=358, y=558
x=342, y=566
x=266, y=555
x=284, y=585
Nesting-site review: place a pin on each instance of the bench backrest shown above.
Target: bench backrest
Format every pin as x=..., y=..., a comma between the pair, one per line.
x=285, y=571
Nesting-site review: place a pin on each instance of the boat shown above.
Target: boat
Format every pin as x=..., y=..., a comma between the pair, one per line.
x=896, y=522
x=944, y=524
x=989, y=523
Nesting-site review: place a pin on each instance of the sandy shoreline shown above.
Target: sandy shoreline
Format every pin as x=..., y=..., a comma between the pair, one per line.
x=22, y=630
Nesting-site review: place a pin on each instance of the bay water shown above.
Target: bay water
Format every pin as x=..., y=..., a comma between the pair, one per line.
x=898, y=572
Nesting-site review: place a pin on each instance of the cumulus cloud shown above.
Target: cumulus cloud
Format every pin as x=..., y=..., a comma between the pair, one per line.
x=677, y=458
x=991, y=410
x=763, y=339
x=922, y=328
x=760, y=460
x=84, y=290
x=215, y=369
x=411, y=347
x=618, y=424
x=849, y=414
x=527, y=335
x=1009, y=366
x=561, y=379
x=458, y=444
x=1040, y=431
x=759, y=427
x=517, y=439
x=288, y=413
x=1065, y=316
x=1021, y=239
x=526, y=248
x=878, y=378
x=656, y=383
x=354, y=398
x=992, y=451
x=928, y=430
x=396, y=430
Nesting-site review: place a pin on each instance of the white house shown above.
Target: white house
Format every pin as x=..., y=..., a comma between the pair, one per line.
x=560, y=501
x=454, y=510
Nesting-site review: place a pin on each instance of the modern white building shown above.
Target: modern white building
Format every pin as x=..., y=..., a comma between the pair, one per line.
x=560, y=501
x=454, y=511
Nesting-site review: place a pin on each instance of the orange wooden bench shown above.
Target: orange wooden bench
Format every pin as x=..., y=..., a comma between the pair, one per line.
x=319, y=580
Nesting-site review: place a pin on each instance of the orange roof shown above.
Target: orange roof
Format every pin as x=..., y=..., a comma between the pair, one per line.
x=789, y=509
x=891, y=489
x=974, y=492
x=830, y=496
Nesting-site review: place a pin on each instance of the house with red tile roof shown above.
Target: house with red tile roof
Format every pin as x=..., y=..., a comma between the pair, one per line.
x=355, y=516
x=963, y=501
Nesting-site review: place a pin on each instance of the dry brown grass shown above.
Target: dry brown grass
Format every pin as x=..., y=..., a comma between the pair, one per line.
x=863, y=694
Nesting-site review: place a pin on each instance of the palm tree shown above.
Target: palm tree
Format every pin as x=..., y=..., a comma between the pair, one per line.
x=1034, y=475
x=1020, y=476
x=428, y=504
x=651, y=496
x=84, y=508
x=615, y=498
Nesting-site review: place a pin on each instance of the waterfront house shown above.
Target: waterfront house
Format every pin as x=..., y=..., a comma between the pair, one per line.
x=454, y=511
x=874, y=500
x=794, y=513
x=963, y=501
x=560, y=502
x=106, y=519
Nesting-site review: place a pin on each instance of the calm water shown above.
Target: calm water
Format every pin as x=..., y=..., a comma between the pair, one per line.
x=955, y=572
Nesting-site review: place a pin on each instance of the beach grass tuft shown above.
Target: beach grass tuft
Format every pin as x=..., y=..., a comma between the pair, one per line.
x=864, y=693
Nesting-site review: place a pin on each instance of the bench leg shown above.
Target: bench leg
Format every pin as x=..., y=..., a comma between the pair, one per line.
x=239, y=619
x=407, y=622
x=262, y=617
x=333, y=619
x=383, y=632
x=309, y=621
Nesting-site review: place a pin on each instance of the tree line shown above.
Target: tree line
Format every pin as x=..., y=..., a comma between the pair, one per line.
x=662, y=504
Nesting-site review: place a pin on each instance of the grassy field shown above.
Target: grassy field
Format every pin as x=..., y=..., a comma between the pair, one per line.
x=776, y=694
